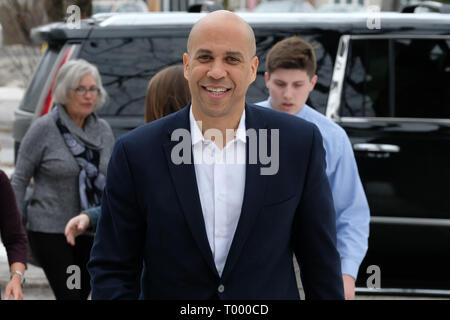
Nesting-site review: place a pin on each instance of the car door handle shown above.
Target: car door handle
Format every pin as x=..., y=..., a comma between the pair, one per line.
x=373, y=147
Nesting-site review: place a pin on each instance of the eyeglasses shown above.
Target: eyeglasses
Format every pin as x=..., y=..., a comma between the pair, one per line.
x=81, y=91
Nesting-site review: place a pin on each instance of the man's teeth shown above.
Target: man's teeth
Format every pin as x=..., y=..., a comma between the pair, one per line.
x=216, y=90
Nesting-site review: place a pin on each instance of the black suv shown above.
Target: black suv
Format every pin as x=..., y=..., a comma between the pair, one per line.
x=388, y=87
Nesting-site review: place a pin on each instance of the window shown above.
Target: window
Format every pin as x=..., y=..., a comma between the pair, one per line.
x=40, y=79
x=127, y=64
x=408, y=78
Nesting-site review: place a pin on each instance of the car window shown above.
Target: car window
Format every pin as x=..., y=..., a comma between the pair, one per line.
x=39, y=79
x=127, y=64
x=407, y=78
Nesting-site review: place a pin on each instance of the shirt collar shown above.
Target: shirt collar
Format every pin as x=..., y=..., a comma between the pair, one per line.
x=197, y=135
x=240, y=132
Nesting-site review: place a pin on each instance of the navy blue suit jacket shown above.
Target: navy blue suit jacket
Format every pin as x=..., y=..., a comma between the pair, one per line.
x=152, y=227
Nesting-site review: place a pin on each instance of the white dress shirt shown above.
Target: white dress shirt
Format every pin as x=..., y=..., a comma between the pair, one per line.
x=221, y=182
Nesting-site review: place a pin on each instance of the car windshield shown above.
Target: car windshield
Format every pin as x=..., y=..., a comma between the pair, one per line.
x=283, y=6
x=129, y=7
x=340, y=8
x=99, y=8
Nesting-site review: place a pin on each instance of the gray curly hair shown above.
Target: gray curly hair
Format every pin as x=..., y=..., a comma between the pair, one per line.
x=69, y=77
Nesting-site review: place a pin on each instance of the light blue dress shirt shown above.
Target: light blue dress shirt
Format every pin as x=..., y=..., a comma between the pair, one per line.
x=352, y=209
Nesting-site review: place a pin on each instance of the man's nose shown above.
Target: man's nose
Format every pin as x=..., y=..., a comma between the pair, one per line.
x=287, y=92
x=217, y=70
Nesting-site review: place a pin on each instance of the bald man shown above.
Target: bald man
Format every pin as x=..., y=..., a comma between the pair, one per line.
x=195, y=208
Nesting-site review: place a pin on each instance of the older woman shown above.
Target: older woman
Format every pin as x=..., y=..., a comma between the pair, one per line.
x=167, y=92
x=66, y=152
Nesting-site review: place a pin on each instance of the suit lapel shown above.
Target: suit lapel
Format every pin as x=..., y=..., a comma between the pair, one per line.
x=255, y=186
x=185, y=182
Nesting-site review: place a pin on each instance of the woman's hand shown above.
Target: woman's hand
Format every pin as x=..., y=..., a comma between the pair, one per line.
x=14, y=286
x=76, y=226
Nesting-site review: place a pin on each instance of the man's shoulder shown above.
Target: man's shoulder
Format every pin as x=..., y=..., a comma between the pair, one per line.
x=264, y=103
x=277, y=119
x=326, y=126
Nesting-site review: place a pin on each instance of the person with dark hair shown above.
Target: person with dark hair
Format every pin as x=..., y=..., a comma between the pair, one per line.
x=290, y=77
x=176, y=225
x=66, y=152
x=13, y=237
x=168, y=91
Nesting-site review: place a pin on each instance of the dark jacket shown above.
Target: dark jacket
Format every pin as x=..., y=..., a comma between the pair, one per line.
x=12, y=231
x=152, y=221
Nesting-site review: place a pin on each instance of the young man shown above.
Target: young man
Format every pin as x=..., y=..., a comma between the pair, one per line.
x=192, y=230
x=290, y=77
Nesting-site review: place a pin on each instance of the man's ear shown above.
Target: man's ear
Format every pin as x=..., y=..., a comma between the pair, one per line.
x=267, y=78
x=254, y=67
x=186, y=65
x=313, y=82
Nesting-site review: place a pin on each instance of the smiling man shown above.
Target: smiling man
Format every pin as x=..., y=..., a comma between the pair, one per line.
x=290, y=78
x=219, y=230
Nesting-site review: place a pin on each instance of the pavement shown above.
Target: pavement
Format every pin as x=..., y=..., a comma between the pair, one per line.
x=36, y=286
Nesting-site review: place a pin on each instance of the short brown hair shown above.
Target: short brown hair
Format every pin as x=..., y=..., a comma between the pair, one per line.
x=168, y=91
x=292, y=53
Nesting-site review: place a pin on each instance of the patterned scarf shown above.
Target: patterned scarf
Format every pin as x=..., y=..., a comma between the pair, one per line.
x=91, y=180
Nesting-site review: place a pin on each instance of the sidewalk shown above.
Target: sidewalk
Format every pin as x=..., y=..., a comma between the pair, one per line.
x=35, y=277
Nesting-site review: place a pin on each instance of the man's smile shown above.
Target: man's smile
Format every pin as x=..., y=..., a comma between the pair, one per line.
x=216, y=91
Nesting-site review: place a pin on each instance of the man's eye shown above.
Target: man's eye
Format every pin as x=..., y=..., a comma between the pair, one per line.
x=204, y=58
x=233, y=59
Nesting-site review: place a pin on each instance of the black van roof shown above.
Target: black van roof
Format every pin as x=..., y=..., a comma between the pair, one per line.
x=355, y=23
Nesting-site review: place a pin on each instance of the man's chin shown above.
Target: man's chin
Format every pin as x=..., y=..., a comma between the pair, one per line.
x=288, y=109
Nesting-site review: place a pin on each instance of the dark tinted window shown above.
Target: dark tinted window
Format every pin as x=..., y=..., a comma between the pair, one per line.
x=127, y=64
x=408, y=78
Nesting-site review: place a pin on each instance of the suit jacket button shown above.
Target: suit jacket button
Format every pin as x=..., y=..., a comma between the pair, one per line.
x=221, y=288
